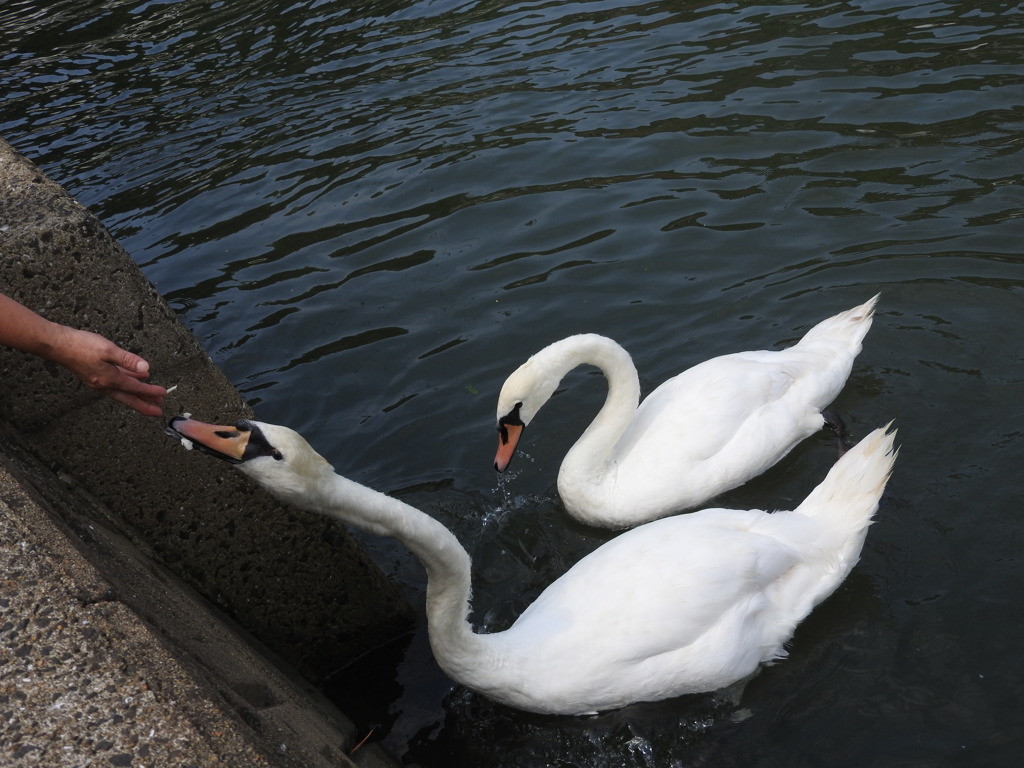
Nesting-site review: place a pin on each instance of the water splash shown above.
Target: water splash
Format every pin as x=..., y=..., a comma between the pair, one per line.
x=507, y=500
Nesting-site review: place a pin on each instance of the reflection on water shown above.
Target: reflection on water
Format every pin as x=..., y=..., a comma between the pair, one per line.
x=371, y=213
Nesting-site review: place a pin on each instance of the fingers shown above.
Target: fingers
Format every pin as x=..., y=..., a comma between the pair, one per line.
x=125, y=382
x=134, y=374
x=126, y=388
x=108, y=368
x=136, y=403
x=117, y=373
x=132, y=364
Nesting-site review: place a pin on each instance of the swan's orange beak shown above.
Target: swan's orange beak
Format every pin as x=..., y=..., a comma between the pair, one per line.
x=508, y=439
x=222, y=441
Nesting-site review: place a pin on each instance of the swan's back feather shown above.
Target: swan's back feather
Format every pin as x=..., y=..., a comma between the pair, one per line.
x=712, y=427
x=669, y=601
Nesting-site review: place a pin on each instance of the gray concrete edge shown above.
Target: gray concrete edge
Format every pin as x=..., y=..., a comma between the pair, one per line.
x=107, y=655
x=231, y=698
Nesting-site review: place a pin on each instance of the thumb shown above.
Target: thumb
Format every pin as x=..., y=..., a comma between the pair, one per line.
x=130, y=361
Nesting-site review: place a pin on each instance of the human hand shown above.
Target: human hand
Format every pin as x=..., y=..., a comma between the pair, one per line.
x=104, y=366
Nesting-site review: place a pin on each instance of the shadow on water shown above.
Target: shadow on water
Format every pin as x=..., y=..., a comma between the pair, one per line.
x=465, y=729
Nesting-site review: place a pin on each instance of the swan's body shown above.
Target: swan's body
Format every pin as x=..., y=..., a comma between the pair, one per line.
x=681, y=605
x=701, y=433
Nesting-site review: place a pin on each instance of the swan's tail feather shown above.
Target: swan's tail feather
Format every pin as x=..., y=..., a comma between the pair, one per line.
x=848, y=496
x=843, y=503
x=850, y=326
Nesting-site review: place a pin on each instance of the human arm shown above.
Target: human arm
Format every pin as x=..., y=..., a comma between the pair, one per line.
x=97, y=361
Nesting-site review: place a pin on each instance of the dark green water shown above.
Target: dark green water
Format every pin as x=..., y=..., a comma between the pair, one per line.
x=371, y=213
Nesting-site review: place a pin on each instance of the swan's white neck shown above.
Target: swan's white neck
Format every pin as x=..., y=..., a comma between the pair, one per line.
x=464, y=655
x=589, y=457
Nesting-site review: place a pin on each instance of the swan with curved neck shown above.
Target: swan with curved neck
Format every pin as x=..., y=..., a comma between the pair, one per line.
x=707, y=430
x=686, y=604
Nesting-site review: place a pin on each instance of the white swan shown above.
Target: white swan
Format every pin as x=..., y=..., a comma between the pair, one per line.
x=707, y=430
x=681, y=605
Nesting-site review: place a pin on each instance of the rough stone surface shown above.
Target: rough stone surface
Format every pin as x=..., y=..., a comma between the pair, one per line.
x=105, y=656
x=166, y=529
x=81, y=680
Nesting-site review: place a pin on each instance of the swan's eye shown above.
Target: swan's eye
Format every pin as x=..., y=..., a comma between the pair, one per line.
x=258, y=445
x=512, y=419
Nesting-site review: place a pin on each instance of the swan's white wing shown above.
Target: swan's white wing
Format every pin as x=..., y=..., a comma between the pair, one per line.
x=657, y=589
x=696, y=414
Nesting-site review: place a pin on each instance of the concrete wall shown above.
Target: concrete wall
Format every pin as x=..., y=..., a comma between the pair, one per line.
x=297, y=583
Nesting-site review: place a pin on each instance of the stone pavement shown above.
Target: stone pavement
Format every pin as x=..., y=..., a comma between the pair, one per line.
x=82, y=680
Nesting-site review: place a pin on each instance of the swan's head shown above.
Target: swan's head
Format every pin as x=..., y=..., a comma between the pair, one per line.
x=524, y=392
x=276, y=457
